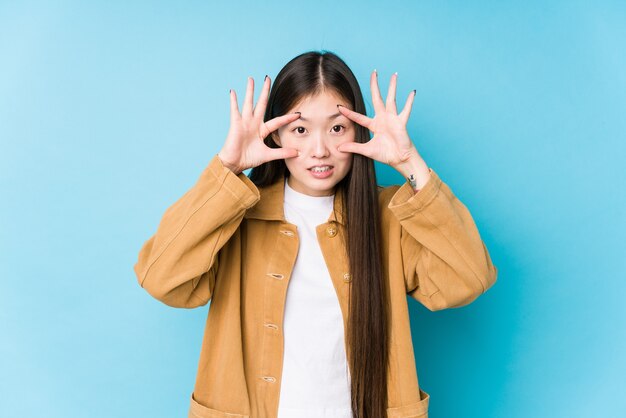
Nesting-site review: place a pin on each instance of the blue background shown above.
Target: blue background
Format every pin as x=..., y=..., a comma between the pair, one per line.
x=109, y=111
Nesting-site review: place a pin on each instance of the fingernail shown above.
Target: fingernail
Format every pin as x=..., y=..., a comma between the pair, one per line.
x=297, y=113
x=396, y=73
x=339, y=105
x=414, y=91
x=375, y=72
x=265, y=76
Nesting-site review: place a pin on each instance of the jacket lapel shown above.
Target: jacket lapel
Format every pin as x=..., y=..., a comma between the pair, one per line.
x=270, y=206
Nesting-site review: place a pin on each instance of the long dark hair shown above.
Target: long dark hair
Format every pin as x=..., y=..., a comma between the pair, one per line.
x=304, y=76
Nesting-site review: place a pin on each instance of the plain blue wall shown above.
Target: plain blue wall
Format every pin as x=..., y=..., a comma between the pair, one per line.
x=109, y=112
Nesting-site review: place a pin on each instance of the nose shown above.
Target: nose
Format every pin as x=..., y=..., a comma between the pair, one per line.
x=320, y=148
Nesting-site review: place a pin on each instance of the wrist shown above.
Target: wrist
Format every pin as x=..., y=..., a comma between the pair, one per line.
x=231, y=167
x=416, y=172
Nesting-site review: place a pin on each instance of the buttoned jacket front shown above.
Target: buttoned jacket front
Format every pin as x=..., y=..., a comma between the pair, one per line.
x=227, y=241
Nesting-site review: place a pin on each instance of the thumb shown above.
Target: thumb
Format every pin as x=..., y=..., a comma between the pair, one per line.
x=281, y=153
x=355, y=147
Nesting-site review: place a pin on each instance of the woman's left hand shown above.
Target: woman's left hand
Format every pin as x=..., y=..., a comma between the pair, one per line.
x=391, y=143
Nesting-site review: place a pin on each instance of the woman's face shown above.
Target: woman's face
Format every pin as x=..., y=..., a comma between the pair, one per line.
x=316, y=135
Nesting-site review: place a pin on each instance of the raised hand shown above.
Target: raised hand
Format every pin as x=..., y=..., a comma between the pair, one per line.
x=244, y=147
x=391, y=143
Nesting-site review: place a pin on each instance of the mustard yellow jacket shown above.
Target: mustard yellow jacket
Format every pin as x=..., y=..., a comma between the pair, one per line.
x=227, y=241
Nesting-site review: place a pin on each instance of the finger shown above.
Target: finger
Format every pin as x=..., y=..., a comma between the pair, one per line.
x=259, y=109
x=275, y=123
x=355, y=116
x=356, y=148
x=391, y=94
x=280, y=153
x=377, y=101
x=406, y=111
x=247, y=104
x=234, y=107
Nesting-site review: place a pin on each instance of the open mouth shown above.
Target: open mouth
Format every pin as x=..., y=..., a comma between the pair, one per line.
x=321, y=169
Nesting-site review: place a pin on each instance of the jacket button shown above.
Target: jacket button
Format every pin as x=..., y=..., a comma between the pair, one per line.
x=269, y=379
x=331, y=231
x=287, y=232
x=347, y=277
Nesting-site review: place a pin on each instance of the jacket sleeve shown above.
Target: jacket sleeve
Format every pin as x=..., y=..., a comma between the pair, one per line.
x=446, y=263
x=179, y=263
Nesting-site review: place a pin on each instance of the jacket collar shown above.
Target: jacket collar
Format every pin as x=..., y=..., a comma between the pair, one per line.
x=270, y=206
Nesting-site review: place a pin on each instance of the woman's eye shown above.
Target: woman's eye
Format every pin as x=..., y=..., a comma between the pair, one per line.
x=301, y=129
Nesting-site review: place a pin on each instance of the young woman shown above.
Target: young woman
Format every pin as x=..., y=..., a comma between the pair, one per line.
x=307, y=262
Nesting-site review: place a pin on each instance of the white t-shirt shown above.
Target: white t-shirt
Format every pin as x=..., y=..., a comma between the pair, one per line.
x=316, y=378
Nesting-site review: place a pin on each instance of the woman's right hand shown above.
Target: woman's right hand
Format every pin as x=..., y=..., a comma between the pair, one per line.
x=244, y=147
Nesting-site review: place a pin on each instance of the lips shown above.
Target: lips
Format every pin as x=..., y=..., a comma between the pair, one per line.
x=323, y=174
x=321, y=166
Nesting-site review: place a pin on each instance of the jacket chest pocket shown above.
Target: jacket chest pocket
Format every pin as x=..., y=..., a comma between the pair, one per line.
x=196, y=410
x=414, y=410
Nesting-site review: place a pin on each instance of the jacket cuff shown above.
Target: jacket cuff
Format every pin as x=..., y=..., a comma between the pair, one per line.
x=239, y=185
x=405, y=202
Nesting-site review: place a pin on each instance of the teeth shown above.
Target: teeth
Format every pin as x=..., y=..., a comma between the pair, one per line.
x=320, y=169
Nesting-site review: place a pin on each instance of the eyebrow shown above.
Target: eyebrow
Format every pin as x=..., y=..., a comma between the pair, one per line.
x=328, y=118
